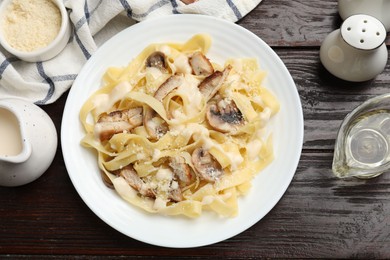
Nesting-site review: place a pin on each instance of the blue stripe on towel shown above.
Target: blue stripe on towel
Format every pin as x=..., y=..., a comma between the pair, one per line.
x=174, y=5
x=86, y=11
x=87, y=55
x=151, y=9
x=67, y=77
x=5, y=64
x=80, y=23
x=87, y=16
x=127, y=7
x=49, y=81
x=96, y=7
x=234, y=8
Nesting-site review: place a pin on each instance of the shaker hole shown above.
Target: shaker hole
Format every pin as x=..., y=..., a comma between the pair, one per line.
x=365, y=21
x=364, y=30
x=378, y=33
x=361, y=41
x=349, y=28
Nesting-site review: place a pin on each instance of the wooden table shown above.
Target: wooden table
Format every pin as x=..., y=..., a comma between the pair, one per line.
x=319, y=215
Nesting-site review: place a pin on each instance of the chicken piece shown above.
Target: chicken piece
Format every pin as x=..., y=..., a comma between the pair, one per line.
x=181, y=170
x=200, y=65
x=170, y=84
x=175, y=193
x=210, y=85
x=132, y=178
x=155, y=126
x=117, y=122
x=143, y=188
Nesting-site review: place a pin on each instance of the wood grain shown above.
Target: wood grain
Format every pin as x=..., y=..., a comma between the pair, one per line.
x=319, y=216
x=285, y=23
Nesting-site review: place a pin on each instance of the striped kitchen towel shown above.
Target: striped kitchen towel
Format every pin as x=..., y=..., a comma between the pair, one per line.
x=94, y=22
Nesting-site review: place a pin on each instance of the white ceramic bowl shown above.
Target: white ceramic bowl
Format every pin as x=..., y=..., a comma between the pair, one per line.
x=42, y=54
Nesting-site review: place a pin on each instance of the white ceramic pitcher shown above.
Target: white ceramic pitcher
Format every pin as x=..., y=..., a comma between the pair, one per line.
x=28, y=142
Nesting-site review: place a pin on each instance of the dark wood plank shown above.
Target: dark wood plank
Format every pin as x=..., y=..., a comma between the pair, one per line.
x=304, y=23
x=286, y=23
x=319, y=216
x=325, y=99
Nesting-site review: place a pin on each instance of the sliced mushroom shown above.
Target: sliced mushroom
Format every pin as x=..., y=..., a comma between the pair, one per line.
x=224, y=116
x=210, y=85
x=170, y=84
x=117, y=122
x=181, y=169
x=157, y=60
x=200, y=64
x=206, y=165
x=132, y=178
x=106, y=180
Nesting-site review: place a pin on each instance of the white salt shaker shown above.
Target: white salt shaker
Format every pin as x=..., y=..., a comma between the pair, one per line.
x=356, y=52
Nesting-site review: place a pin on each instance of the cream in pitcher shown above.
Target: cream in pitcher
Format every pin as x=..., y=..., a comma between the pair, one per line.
x=10, y=137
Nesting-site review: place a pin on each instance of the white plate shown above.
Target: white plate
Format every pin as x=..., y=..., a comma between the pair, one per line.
x=229, y=40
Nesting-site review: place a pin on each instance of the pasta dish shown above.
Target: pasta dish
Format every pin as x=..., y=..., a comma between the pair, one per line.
x=176, y=133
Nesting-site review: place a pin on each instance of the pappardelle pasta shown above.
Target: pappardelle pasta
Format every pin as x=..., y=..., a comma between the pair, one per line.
x=176, y=133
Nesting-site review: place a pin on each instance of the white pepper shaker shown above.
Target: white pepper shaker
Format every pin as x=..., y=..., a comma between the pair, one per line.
x=356, y=52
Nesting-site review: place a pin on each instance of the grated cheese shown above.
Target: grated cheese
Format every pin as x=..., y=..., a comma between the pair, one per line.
x=164, y=174
x=159, y=204
x=31, y=24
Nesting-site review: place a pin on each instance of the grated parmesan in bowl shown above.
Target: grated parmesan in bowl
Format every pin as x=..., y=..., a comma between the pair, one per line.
x=34, y=30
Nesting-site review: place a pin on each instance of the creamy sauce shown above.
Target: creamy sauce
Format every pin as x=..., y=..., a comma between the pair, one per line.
x=154, y=72
x=10, y=138
x=182, y=65
x=207, y=200
x=265, y=115
x=165, y=49
x=104, y=102
x=253, y=149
